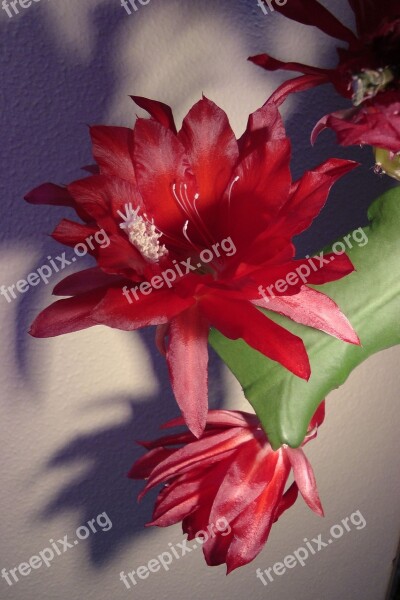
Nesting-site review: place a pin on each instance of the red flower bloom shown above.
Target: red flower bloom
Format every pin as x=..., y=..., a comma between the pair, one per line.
x=368, y=71
x=164, y=198
x=232, y=475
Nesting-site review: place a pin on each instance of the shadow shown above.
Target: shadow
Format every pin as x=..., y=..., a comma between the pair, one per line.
x=39, y=130
x=110, y=453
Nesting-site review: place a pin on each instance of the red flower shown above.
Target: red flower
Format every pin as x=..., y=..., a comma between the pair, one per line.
x=368, y=71
x=231, y=475
x=164, y=199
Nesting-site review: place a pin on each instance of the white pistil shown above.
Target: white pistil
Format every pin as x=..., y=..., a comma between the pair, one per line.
x=142, y=234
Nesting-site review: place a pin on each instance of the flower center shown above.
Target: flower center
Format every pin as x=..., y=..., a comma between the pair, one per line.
x=369, y=83
x=142, y=234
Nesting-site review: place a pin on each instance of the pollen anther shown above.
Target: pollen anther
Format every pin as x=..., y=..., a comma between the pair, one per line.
x=142, y=234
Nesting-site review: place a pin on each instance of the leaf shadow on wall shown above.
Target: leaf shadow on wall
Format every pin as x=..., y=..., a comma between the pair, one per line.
x=104, y=486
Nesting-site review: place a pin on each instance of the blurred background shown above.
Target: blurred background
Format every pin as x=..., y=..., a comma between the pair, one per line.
x=72, y=407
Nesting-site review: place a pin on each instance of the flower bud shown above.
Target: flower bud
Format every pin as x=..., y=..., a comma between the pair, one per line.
x=387, y=162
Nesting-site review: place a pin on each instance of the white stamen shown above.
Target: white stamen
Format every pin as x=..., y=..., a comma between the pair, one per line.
x=184, y=229
x=231, y=188
x=142, y=234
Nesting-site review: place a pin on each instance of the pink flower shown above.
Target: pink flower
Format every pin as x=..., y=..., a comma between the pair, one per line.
x=232, y=475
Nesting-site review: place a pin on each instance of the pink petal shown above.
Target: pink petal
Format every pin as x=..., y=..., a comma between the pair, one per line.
x=221, y=418
x=314, y=309
x=287, y=501
x=203, y=452
x=305, y=479
x=248, y=474
x=187, y=357
x=67, y=316
x=252, y=527
x=143, y=467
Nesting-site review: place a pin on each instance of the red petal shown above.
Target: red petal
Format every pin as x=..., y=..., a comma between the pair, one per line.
x=85, y=281
x=120, y=256
x=305, y=479
x=336, y=267
x=298, y=84
x=184, y=495
x=263, y=126
x=70, y=233
x=269, y=162
x=112, y=151
x=271, y=64
x=181, y=505
x=287, y=501
x=198, y=520
x=158, y=110
x=143, y=467
x=239, y=319
x=216, y=548
x=160, y=162
x=66, y=316
x=177, y=439
x=251, y=529
x=314, y=309
x=340, y=266
x=212, y=150
x=49, y=193
x=221, y=418
x=102, y=197
x=161, y=334
x=92, y=169
x=376, y=123
x=203, y=452
x=311, y=12
x=155, y=309
x=310, y=193
x=370, y=14
x=187, y=357
x=245, y=479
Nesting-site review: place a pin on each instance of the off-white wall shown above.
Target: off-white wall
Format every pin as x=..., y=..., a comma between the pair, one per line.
x=84, y=398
